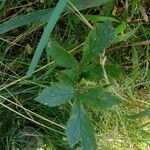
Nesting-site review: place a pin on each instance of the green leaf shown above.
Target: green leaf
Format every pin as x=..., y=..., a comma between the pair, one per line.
x=99, y=99
x=97, y=18
x=46, y=34
x=93, y=72
x=121, y=28
x=126, y=36
x=100, y=38
x=62, y=57
x=68, y=76
x=79, y=128
x=57, y=94
x=114, y=70
x=141, y=114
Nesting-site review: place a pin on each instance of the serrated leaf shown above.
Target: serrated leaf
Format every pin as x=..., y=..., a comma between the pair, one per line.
x=62, y=57
x=57, y=94
x=79, y=128
x=99, y=99
x=99, y=38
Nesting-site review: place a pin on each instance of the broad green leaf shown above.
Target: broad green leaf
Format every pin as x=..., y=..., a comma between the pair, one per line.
x=100, y=38
x=46, y=34
x=79, y=128
x=62, y=57
x=57, y=94
x=141, y=114
x=42, y=16
x=99, y=99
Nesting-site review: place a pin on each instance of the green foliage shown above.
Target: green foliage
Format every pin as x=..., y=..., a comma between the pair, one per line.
x=97, y=18
x=100, y=38
x=98, y=98
x=38, y=16
x=121, y=28
x=42, y=16
x=79, y=128
x=84, y=4
x=2, y=3
x=55, y=95
x=69, y=73
x=46, y=34
x=62, y=57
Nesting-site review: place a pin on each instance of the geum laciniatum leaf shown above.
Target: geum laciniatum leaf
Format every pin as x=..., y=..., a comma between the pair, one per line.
x=79, y=128
x=99, y=38
x=98, y=98
x=55, y=95
x=61, y=57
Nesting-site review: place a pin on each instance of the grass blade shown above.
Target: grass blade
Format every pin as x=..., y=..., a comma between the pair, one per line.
x=42, y=16
x=47, y=31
